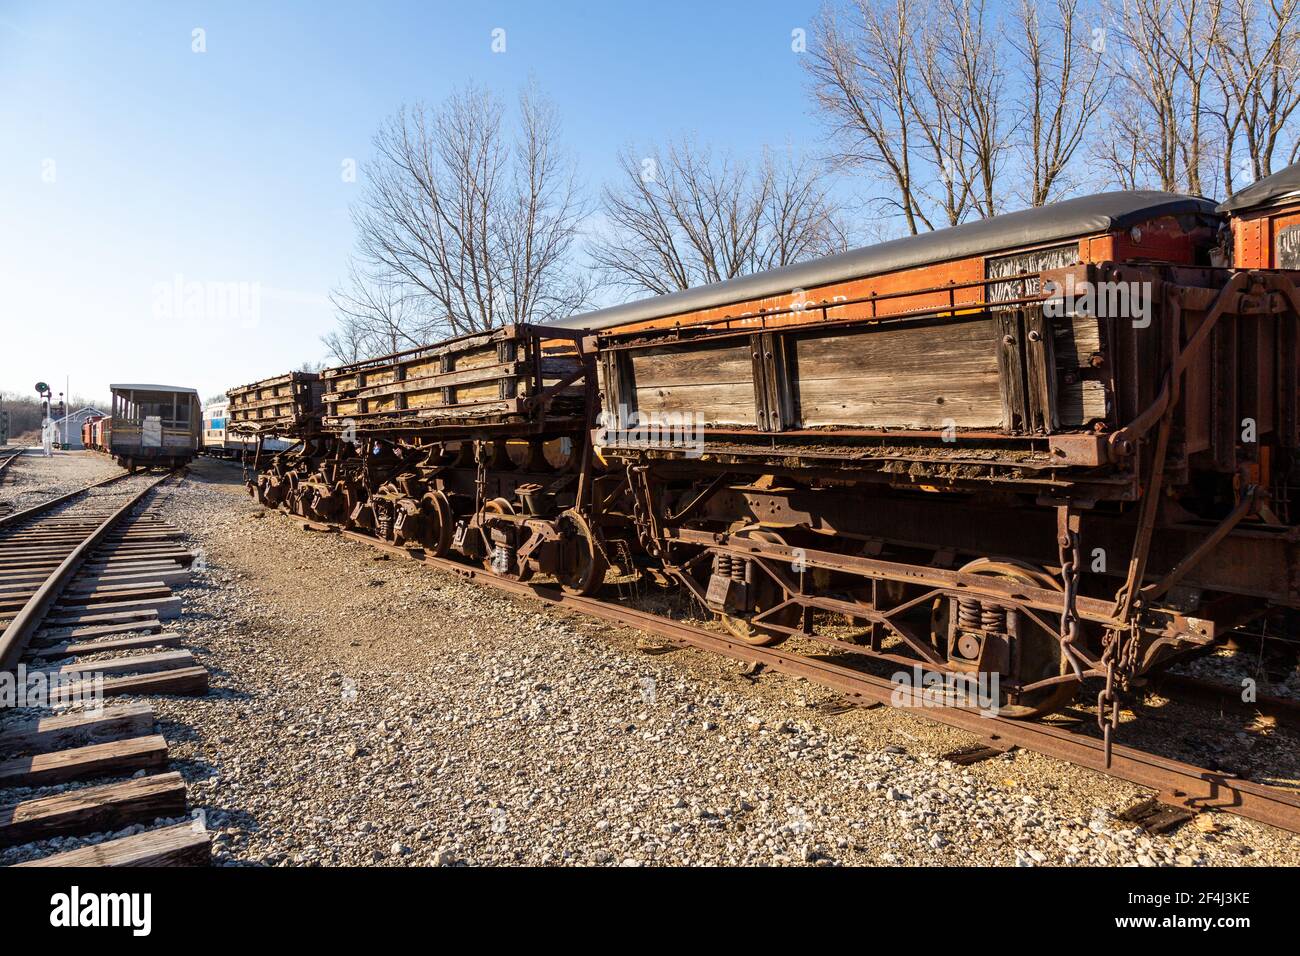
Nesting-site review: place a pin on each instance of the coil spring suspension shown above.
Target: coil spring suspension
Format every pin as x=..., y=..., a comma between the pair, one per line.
x=993, y=617
x=969, y=614
x=503, y=558
x=734, y=567
x=722, y=564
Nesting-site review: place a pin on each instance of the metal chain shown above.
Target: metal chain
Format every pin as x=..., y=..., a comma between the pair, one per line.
x=1071, y=626
x=1107, y=701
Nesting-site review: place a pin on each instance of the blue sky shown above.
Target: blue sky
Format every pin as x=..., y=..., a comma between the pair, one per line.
x=131, y=165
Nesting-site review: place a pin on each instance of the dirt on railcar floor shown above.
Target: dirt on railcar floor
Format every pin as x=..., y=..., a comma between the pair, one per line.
x=378, y=711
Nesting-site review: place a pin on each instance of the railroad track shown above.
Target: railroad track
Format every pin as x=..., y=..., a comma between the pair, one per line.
x=7, y=459
x=76, y=583
x=1177, y=784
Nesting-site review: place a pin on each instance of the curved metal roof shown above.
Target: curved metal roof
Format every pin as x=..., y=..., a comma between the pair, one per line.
x=1283, y=183
x=155, y=388
x=1028, y=227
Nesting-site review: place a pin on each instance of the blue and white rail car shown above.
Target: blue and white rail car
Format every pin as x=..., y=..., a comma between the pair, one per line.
x=218, y=442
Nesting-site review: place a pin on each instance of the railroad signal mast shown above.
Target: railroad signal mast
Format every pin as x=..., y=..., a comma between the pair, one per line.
x=47, y=427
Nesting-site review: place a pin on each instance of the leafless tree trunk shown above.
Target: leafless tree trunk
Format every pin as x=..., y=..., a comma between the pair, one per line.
x=914, y=94
x=1256, y=64
x=973, y=82
x=1060, y=74
x=679, y=218
x=1155, y=130
x=862, y=70
x=478, y=227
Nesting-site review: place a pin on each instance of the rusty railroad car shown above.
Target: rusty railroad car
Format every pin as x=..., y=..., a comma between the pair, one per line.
x=473, y=446
x=283, y=405
x=88, y=432
x=1053, y=446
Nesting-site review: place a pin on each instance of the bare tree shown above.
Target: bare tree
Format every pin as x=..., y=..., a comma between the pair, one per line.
x=478, y=226
x=913, y=93
x=347, y=342
x=679, y=217
x=1060, y=73
x=1256, y=65
x=378, y=316
x=973, y=82
x=1156, y=131
x=862, y=71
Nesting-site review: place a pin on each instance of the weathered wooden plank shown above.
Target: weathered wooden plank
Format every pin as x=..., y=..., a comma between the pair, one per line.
x=181, y=845
x=189, y=681
x=177, y=554
x=98, y=598
x=92, y=760
x=1080, y=401
x=143, y=624
x=135, y=719
x=81, y=589
x=132, y=664
x=93, y=809
x=109, y=613
x=427, y=382
x=171, y=578
x=717, y=384
x=903, y=377
x=71, y=648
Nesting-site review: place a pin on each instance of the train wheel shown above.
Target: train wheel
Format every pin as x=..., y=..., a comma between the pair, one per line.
x=1040, y=654
x=439, y=523
x=588, y=573
x=767, y=594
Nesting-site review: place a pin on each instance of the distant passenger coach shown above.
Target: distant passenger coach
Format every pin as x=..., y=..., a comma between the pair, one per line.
x=154, y=426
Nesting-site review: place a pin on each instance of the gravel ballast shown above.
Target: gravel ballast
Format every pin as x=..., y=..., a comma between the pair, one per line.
x=374, y=711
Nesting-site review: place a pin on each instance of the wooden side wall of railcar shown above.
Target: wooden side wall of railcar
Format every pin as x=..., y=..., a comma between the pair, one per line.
x=1043, y=373
x=996, y=362
x=517, y=375
x=283, y=405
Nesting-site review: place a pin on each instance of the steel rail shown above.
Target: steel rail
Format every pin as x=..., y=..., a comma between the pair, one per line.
x=1178, y=782
x=4, y=465
x=34, y=510
x=14, y=638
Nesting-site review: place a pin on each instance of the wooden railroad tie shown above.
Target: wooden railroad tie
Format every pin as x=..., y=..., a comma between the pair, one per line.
x=965, y=756
x=1156, y=815
x=93, y=809
x=185, y=844
x=73, y=730
x=114, y=605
